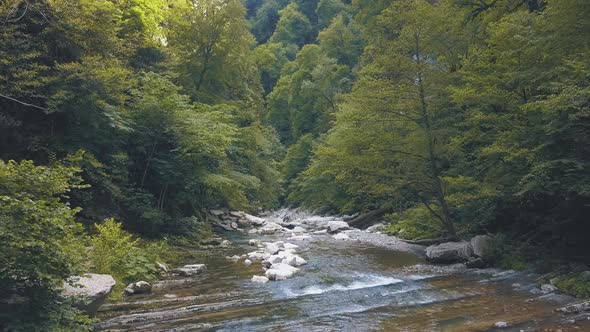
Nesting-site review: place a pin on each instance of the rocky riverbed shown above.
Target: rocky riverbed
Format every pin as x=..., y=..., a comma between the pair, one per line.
x=291, y=271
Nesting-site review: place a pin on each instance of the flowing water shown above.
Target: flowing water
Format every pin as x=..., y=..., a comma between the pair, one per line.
x=346, y=286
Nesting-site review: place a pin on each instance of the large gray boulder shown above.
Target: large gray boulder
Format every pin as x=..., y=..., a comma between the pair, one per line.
x=482, y=246
x=450, y=252
x=270, y=228
x=256, y=221
x=89, y=291
x=336, y=226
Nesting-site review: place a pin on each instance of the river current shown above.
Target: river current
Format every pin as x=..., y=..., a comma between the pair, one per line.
x=346, y=286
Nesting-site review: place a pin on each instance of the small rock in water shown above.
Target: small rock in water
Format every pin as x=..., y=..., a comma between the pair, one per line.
x=170, y=296
x=341, y=236
x=225, y=244
x=274, y=259
x=247, y=262
x=140, y=287
x=255, y=255
x=280, y=271
x=272, y=249
x=260, y=279
x=191, y=270
x=234, y=258
x=501, y=325
x=255, y=243
x=547, y=288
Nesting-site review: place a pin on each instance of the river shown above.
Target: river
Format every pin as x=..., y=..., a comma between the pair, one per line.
x=346, y=286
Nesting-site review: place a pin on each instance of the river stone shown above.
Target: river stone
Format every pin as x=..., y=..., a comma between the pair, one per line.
x=260, y=279
x=450, y=252
x=299, y=230
x=575, y=308
x=341, y=236
x=288, y=246
x=247, y=262
x=482, y=246
x=256, y=255
x=255, y=221
x=89, y=291
x=501, y=325
x=191, y=270
x=274, y=259
x=336, y=226
x=548, y=288
x=225, y=244
x=272, y=249
x=270, y=228
x=280, y=271
x=140, y=287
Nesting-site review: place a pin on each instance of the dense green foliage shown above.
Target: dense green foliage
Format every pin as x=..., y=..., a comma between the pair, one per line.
x=455, y=116
x=41, y=246
x=465, y=117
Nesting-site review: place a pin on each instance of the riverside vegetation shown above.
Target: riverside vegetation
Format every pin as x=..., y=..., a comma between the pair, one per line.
x=121, y=122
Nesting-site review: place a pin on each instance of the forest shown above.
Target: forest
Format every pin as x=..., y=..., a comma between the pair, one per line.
x=122, y=122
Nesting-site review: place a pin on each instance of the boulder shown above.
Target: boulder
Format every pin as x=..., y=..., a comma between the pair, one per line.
x=280, y=271
x=298, y=230
x=234, y=225
x=482, y=246
x=288, y=246
x=140, y=287
x=247, y=262
x=89, y=291
x=233, y=258
x=548, y=288
x=260, y=279
x=225, y=244
x=575, y=308
x=274, y=259
x=272, y=249
x=191, y=270
x=501, y=325
x=256, y=255
x=270, y=228
x=237, y=214
x=450, y=252
x=294, y=260
x=255, y=243
x=336, y=226
x=341, y=236
x=255, y=221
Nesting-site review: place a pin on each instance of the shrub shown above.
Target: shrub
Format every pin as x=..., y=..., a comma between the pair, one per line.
x=118, y=253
